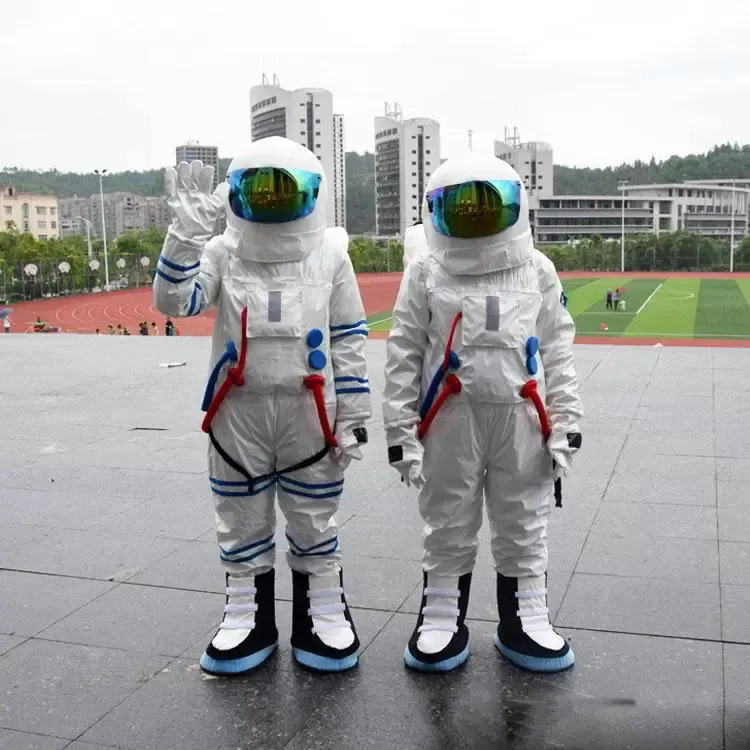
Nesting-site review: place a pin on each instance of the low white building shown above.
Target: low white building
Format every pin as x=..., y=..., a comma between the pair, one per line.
x=713, y=208
x=703, y=208
x=29, y=213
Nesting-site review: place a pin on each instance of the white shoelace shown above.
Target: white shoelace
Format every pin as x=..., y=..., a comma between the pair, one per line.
x=442, y=611
x=327, y=609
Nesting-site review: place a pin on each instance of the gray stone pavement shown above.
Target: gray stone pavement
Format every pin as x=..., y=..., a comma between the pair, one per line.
x=110, y=584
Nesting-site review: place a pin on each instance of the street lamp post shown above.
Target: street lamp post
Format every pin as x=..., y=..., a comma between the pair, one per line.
x=88, y=232
x=622, y=185
x=731, y=236
x=101, y=174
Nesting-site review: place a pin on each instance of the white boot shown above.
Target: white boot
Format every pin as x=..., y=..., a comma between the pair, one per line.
x=440, y=641
x=323, y=634
x=525, y=634
x=247, y=635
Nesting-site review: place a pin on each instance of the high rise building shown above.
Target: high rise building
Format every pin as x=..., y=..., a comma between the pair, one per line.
x=339, y=171
x=305, y=116
x=71, y=212
x=123, y=212
x=534, y=163
x=156, y=213
x=407, y=152
x=193, y=150
x=29, y=213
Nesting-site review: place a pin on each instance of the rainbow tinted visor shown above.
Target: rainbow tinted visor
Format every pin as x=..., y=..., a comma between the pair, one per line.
x=475, y=209
x=271, y=195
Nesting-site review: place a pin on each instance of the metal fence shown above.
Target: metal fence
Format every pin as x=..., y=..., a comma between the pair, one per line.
x=62, y=276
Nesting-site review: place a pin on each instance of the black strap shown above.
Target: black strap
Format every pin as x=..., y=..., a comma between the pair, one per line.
x=251, y=480
x=558, y=493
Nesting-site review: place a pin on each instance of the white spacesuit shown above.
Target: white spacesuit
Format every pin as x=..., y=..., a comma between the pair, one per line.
x=415, y=243
x=481, y=401
x=287, y=397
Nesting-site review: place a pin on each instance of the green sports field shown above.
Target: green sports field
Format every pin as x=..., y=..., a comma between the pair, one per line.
x=684, y=307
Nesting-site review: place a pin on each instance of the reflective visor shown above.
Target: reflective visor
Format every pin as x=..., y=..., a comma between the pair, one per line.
x=271, y=195
x=475, y=209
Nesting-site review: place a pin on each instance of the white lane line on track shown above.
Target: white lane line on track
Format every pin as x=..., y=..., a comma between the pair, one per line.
x=381, y=320
x=650, y=297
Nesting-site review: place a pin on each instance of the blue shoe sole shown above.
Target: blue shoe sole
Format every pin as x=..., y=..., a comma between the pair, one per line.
x=324, y=663
x=236, y=666
x=536, y=663
x=447, y=665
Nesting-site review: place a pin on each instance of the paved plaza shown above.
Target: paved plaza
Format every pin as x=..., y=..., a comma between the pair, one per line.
x=110, y=585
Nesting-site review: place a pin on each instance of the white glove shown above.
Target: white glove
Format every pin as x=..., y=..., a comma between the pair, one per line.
x=349, y=436
x=405, y=453
x=562, y=446
x=194, y=208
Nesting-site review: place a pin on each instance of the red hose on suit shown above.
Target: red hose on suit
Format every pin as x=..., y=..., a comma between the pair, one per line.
x=452, y=385
x=315, y=384
x=529, y=390
x=235, y=376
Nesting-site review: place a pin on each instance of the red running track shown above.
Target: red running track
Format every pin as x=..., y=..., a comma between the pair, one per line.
x=86, y=313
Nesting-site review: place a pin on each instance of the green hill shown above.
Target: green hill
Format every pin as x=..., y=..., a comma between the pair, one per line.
x=725, y=161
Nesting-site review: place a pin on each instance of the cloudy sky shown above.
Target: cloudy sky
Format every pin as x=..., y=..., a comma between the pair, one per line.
x=99, y=83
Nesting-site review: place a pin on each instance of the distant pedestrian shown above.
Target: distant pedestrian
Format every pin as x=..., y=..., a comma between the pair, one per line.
x=98, y=332
x=6, y=324
x=110, y=330
x=616, y=298
x=125, y=332
x=169, y=327
x=143, y=328
x=154, y=329
x=609, y=299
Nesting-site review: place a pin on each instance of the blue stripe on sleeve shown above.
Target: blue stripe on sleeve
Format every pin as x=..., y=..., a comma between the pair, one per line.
x=172, y=279
x=352, y=390
x=350, y=379
x=359, y=331
x=176, y=267
x=193, y=298
x=347, y=326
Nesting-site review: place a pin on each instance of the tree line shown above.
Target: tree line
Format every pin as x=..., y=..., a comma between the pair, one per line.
x=20, y=254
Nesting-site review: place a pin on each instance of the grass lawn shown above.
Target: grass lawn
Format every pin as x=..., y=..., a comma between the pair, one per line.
x=658, y=308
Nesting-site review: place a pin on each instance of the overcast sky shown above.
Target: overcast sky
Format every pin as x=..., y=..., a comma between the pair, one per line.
x=98, y=83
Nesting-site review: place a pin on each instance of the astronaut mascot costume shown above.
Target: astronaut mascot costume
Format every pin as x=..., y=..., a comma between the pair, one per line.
x=287, y=398
x=481, y=401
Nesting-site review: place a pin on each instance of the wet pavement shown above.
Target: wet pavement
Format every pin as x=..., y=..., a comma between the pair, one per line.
x=110, y=584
